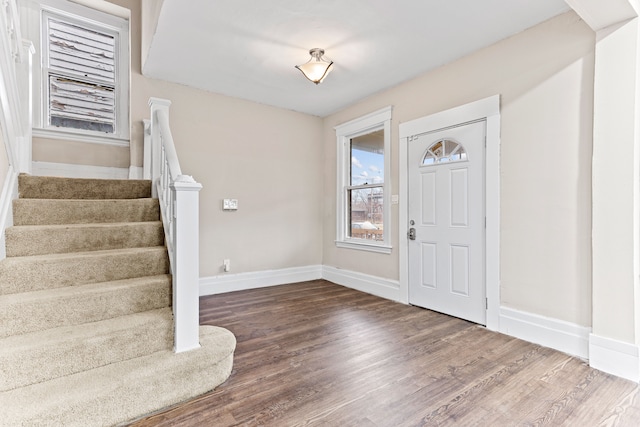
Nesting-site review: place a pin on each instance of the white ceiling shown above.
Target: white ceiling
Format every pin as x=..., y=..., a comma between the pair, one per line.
x=248, y=48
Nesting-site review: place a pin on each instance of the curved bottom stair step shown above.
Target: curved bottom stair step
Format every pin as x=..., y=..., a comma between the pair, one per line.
x=53, y=308
x=44, y=355
x=123, y=391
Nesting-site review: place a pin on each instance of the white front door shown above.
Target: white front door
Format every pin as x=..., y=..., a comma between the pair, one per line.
x=446, y=220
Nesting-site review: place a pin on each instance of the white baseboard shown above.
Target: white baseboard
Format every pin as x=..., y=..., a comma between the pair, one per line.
x=222, y=283
x=385, y=288
x=68, y=170
x=557, y=334
x=260, y=279
x=135, y=172
x=614, y=357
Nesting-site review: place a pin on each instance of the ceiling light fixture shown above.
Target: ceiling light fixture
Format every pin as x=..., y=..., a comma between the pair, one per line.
x=318, y=67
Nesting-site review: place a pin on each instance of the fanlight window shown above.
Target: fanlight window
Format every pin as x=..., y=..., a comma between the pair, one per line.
x=444, y=150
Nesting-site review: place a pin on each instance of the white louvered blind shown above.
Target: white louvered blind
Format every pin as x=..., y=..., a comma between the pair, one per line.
x=82, y=77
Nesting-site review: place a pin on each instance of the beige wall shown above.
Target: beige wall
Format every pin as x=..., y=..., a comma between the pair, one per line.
x=267, y=158
x=281, y=166
x=79, y=153
x=545, y=78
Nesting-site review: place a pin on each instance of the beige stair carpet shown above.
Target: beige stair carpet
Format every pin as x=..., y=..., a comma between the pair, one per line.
x=123, y=391
x=44, y=187
x=55, y=239
x=86, y=327
x=65, y=349
x=21, y=274
x=69, y=211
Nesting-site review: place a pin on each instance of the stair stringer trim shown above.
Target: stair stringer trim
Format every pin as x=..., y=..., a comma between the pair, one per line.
x=9, y=193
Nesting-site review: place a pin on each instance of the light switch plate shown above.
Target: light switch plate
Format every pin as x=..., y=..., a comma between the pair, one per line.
x=230, y=204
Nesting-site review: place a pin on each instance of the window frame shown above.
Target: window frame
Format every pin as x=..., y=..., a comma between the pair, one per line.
x=77, y=14
x=377, y=120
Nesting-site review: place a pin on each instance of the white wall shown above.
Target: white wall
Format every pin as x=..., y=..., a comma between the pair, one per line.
x=614, y=163
x=149, y=22
x=545, y=78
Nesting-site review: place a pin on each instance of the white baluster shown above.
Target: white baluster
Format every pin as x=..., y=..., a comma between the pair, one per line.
x=178, y=195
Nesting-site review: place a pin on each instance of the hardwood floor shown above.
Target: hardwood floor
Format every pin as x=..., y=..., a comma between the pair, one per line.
x=316, y=353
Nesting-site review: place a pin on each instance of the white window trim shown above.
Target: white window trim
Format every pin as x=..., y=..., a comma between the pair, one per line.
x=371, y=122
x=32, y=21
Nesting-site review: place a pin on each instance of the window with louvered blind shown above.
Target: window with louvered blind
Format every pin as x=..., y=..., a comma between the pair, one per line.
x=84, y=73
x=82, y=79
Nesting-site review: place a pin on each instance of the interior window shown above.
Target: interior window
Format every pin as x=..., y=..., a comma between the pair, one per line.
x=81, y=76
x=363, y=197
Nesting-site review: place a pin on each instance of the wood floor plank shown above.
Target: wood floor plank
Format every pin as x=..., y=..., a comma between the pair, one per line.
x=318, y=354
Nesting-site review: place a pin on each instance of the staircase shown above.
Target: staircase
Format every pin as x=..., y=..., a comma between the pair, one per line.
x=86, y=326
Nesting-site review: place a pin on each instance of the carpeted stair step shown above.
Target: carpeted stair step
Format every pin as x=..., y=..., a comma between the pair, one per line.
x=44, y=355
x=52, y=308
x=26, y=240
x=25, y=274
x=78, y=211
x=86, y=328
x=119, y=392
x=46, y=187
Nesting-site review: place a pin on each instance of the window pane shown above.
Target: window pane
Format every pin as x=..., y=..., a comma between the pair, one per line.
x=444, y=151
x=429, y=159
x=437, y=149
x=366, y=213
x=367, y=159
x=81, y=51
x=80, y=105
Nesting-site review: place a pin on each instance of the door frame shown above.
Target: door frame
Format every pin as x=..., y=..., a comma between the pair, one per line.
x=489, y=110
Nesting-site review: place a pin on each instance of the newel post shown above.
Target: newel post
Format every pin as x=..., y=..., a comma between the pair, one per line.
x=186, y=302
x=156, y=104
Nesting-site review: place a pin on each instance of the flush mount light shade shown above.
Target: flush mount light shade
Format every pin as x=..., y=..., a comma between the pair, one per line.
x=317, y=68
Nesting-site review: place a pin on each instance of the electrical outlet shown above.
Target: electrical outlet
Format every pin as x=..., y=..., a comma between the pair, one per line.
x=226, y=264
x=230, y=204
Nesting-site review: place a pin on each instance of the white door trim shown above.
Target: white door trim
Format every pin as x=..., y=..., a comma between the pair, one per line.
x=488, y=109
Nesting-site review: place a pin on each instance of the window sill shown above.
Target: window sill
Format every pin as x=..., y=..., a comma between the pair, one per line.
x=79, y=136
x=363, y=246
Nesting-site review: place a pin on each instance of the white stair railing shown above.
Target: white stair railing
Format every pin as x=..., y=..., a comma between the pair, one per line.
x=15, y=87
x=178, y=195
x=15, y=109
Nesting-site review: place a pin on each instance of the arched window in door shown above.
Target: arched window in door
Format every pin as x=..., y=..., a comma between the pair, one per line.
x=444, y=150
